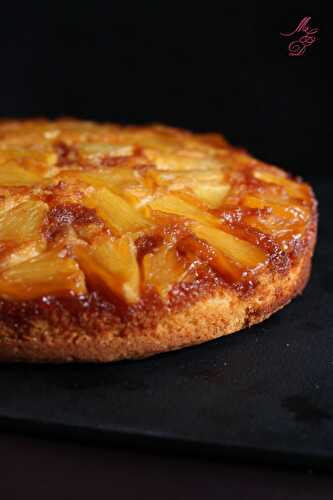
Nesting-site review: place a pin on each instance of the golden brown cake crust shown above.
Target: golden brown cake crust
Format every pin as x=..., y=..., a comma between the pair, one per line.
x=94, y=326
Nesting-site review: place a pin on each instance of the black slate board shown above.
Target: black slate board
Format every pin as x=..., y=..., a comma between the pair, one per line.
x=263, y=394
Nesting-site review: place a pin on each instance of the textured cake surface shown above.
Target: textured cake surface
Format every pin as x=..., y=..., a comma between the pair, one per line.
x=120, y=242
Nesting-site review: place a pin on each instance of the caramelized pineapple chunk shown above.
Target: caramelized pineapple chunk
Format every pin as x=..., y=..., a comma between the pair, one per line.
x=117, y=177
x=38, y=158
x=23, y=252
x=195, y=248
x=180, y=179
x=47, y=274
x=207, y=185
x=183, y=160
x=293, y=188
x=138, y=196
x=288, y=211
x=113, y=264
x=211, y=195
x=117, y=213
x=14, y=175
x=23, y=222
x=172, y=204
x=280, y=229
x=240, y=251
x=94, y=152
x=122, y=181
x=162, y=269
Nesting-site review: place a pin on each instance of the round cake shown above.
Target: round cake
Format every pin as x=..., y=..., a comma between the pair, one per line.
x=125, y=241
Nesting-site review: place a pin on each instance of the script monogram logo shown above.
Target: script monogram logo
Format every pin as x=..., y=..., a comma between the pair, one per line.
x=298, y=47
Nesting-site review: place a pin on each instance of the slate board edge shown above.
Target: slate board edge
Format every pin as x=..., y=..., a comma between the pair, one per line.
x=322, y=461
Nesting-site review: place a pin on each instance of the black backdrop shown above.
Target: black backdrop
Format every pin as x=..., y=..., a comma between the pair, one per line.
x=200, y=65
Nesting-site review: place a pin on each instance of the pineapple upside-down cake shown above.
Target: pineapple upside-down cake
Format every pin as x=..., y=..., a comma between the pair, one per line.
x=121, y=242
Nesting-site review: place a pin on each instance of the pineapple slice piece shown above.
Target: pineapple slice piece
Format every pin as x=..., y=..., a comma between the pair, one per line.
x=9, y=199
x=196, y=248
x=113, y=264
x=94, y=152
x=254, y=202
x=293, y=189
x=182, y=179
x=138, y=196
x=240, y=251
x=183, y=160
x=279, y=231
x=125, y=182
x=211, y=195
x=14, y=175
x=47, y=274
x=174, y=205
x=117, y=213
x=282, y=224
x=207, y=186
x=112, y=178
x=282, y=210
x=162, y=269
x=23, y=222
x=25, y=251
x=38, y=158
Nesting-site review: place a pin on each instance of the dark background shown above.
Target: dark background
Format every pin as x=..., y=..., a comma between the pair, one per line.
x=199, y=65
